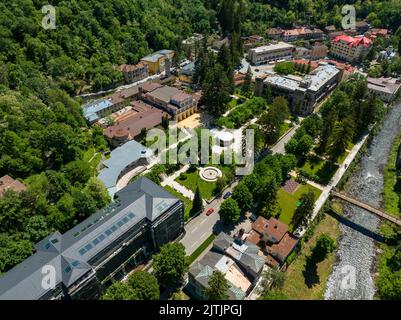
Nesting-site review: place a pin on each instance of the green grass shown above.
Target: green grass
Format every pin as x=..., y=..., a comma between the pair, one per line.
x=284, y=128
x=200, y=249
x=188, y=203
x=318, y=170
x=92, y=157
x=308, y=281
x=193, y=179
x=390, y=194
x=288, y=202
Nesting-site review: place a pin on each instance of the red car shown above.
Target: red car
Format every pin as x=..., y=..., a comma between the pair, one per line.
x=209, y=212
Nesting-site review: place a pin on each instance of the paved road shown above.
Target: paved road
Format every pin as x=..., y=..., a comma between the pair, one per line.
x=201, y=227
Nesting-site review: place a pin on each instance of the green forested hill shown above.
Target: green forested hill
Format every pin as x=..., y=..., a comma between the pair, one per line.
x=44, y=139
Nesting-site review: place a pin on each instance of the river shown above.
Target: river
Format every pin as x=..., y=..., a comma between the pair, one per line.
x=357, y=250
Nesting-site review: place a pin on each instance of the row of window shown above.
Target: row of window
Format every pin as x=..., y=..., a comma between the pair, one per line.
x=107, y=233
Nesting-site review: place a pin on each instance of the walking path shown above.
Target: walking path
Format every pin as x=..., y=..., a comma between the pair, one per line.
x=334, y=181
x=170, y=181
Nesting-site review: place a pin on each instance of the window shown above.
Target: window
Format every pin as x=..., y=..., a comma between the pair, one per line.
x=88, y=247
x=108, y=232
x=82, y=251
x=54, y=241
x=75, y=263
x=67, y=269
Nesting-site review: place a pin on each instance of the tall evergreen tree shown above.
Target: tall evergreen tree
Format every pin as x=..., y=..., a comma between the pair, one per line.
x=197, y=202
x=247, y=85
x=217, y=287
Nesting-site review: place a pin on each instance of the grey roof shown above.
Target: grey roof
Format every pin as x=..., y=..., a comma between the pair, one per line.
x=91, y=109
x=120, y=159
x=70, y=254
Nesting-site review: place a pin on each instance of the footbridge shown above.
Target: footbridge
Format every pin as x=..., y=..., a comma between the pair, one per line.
x=368, y=207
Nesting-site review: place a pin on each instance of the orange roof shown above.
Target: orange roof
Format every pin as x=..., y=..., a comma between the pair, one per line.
x=6, y=183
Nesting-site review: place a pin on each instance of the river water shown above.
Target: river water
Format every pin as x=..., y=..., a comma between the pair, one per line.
x=352, y=278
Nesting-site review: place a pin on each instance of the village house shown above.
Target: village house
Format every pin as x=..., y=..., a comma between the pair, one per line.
x=273, y=238
x=157, y=61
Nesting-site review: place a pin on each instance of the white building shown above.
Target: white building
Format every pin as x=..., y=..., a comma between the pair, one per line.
x=264, y=54
x=385, y=88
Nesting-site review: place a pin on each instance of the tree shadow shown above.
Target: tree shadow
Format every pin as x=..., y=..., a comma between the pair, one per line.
x=310, y=274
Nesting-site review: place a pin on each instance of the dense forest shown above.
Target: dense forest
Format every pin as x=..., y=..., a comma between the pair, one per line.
x=44, y=138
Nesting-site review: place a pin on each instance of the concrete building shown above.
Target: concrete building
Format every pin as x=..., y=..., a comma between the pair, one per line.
x=8, y=183
x=267, y=53
x=156, y=61
x=134, y=73
x=303, y=93
x=176, y=102
x=107, y=245
x=239, y=261
x=318, y=51
x=349, y=48
x=123, y=159
x=386, y=89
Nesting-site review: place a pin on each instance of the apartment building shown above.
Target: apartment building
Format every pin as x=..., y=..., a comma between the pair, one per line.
x=264, y=54
x=105, y=247
x=176, y=102
x=386, y=89
x=157, y=61
x=134, y=73
x=303, y=93
x=349, y=48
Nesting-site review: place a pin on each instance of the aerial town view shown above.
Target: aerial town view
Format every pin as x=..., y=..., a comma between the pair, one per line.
x=200, y=150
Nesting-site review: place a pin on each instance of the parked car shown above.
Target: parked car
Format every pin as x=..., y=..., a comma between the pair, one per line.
x=209, y=212
x=227, y=195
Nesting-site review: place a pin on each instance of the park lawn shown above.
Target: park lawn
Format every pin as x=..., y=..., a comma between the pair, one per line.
x=309, y=283
x=284, y=128
x=187, y=203
x=193, y=179
x=200, y=249
x=288, y=202
x=342, y=158
x=321, y=169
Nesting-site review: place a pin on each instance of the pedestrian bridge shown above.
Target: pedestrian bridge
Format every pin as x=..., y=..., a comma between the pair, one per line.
x=377, y=211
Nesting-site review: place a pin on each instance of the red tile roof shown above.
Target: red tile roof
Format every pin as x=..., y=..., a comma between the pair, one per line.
x=355, y=41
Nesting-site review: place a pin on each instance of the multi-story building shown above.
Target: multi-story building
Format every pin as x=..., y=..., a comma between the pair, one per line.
x=176, y=102
x=386, y=89
x=303, y=93
x=157, y=60
x=267, y=53
x=349, y=48
x=239, y=261
x=81, y=262
x=134, y=73
x=318, y=51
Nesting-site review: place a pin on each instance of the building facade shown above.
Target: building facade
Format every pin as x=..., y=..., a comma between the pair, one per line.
x=386, y=89
x=157, y=60
x=104, y=247
x=264, y=54
x=134, y=73
x=349, y=48
x=303, y=93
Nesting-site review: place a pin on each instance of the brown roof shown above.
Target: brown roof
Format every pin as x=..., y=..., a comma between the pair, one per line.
x=6, y=183
x=272, y=227
x=130, y=67
x=142, y=115
x=151, y=86
x=284, y=247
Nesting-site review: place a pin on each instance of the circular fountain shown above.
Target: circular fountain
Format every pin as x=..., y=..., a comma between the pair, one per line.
x=210, y=174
